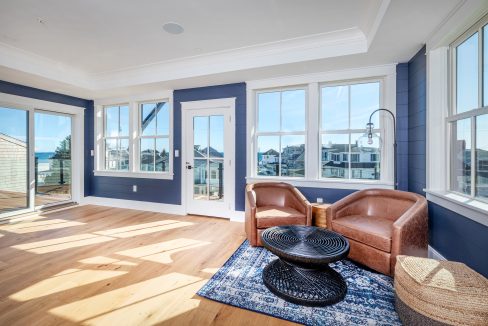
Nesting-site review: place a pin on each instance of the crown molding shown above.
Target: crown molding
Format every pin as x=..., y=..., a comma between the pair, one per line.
x=318, y=46
x=31, y=63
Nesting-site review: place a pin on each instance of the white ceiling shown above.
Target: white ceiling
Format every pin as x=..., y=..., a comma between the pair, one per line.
x=93, y=48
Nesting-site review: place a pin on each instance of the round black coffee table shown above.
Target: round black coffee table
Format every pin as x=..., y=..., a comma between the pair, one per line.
x=301, y=274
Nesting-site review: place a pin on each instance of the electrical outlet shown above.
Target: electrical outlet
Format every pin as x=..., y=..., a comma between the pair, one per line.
x=92, y=153
x=320, y=200
x=134, y=188
x=177, y=153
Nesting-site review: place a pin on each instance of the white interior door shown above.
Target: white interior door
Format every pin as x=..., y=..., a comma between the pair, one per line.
x=208, y=157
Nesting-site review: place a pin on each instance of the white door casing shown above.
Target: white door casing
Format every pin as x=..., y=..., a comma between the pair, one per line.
x=202, y=205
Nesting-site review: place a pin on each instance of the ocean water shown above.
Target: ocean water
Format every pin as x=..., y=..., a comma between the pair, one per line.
x=43, y=157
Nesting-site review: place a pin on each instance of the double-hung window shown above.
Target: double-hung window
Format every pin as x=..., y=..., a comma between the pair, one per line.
x=134, y=139
x=281, y=132
x=116, y=137
x=344, y=112
x=468, y=120
x=154, y=136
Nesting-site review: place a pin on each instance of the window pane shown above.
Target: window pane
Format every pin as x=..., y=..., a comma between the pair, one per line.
x=293, y=156
x=335, y=107
x=148, y=119
x=200, y=190
x=112, y=121
x=268, y=155
x=293, y=110
x=485, y=65
x=111, y=154
x=461, y=159
x=333, y=146
x=123, y=154
x=162, y=154
x=163, y=119
x=365, y=98
x=216, y=180
x=269, y=111
x=216, y=136
x=124, y=121
x=482, y=156
x=200, y=136
x=467, y=74
x=365, y=162
x=147, y=154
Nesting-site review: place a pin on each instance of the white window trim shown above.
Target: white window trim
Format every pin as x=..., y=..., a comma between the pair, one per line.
x=438, y=149
x=134, y=130
x=386, y=73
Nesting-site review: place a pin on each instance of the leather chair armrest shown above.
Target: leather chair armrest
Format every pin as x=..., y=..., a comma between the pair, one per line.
x=410, y=232
x=250, y=217
x=304, y=203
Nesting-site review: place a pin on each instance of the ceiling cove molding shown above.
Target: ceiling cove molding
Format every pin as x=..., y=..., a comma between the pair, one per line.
x=380, y=14
x=318, y=46
x=31, y=63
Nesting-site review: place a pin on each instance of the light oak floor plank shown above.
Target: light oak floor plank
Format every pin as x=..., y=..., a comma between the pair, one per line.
x=93, y=265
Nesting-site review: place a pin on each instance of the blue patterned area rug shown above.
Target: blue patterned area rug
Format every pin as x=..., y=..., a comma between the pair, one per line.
x=369, y=300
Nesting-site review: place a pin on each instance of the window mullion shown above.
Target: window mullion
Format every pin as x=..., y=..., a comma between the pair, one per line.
x=473, y=157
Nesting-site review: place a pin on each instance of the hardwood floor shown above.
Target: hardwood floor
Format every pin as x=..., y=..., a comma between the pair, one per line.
x=93, y=265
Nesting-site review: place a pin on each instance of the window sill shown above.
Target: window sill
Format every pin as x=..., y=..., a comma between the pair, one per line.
x=141, y=175
x=470, y=208
x=334, y=184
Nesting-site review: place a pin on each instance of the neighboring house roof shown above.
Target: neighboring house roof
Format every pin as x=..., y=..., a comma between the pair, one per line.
x=354, y=165
x=271, y=152
x=12, y=140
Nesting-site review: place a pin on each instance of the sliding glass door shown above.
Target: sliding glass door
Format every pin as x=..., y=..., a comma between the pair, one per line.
x=35, y=159
x=52, y=158
x=14, y=160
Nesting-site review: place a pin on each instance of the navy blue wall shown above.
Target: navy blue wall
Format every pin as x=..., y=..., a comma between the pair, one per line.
x=169, y=191
x=402, y=125
x=417, y=99
x=458, y=238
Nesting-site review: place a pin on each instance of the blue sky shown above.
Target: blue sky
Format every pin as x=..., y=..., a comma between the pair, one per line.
x=335, y=106
x=50, y=129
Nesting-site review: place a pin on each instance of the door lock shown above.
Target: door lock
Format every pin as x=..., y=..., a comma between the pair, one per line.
x=188, y=166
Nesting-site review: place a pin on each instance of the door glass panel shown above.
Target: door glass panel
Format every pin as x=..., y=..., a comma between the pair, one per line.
x=200, y=136
x=216, y=180
x=216, y=148
x=200, y=188
x=52, y=158
x=208, y=163
x=13, y=160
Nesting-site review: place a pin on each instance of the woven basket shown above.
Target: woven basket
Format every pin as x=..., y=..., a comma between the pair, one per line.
x=444, y=291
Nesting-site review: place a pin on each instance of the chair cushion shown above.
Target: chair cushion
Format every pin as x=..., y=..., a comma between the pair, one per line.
x=268, y=216
x=370, y=230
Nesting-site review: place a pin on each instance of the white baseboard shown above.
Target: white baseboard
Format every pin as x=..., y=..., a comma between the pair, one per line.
x=434, y=254
x=235, y=216
x=134, y=204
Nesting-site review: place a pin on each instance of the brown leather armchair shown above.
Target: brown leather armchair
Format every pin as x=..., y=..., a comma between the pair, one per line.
x=381, y=224
x=273, y=204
